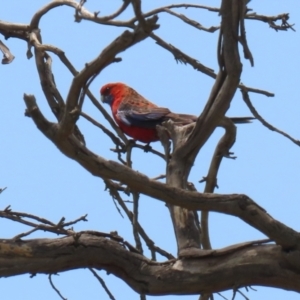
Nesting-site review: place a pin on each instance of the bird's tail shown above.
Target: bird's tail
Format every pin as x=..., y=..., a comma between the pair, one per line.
x=242, y=120
x=185, y=119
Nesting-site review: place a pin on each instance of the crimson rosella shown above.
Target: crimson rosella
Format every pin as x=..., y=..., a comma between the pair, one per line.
x=137, y=117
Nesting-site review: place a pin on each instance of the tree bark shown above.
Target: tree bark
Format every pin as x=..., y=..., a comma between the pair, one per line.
x=215, y=271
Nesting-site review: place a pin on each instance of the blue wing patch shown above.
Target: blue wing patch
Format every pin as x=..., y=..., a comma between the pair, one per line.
x=147, y=119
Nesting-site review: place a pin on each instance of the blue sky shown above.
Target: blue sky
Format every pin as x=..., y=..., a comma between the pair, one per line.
x=42, y=181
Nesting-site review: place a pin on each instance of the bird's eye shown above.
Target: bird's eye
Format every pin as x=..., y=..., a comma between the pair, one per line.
x=105, y=91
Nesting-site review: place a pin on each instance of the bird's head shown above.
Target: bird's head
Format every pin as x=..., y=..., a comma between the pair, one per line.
x=111, y=90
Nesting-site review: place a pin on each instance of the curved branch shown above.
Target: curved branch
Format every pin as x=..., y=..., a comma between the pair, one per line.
x=246, y=264
x=55, y=288
x=137, y=8
x=192, y=22
x=222, y=150
x=7, y=55
x=226, y=83
x=19, y=31
x=34, y=24
x=271, y=21
x=84, y=14
x=255, y=113
x=182, y=5
x=118, y=12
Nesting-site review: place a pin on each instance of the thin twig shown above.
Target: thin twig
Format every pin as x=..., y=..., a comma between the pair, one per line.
x=138, y=243
x=186, y=59
x=271, y=21
x=192, y=22
x=119, y=151
x=82, y=14
x=150, y=244
x=103, y=284
x=242, y=37
x=55, y=289
x=134, y=216
x=7, y=55
x=257, y=91
x=243, y=294
x=182, y=5
x=222, y=296
x=114, y=139
x=21, y=235
x=82, y=218
x=84, y=90
x=117, y=13
x=182, y=57
x=133, y=144
x=147, y=148
x=20, y=215
x=107, y=116
x=2, y=190
x=262, y=120
x=162, y=176
x=114, y=199
x=44, y=225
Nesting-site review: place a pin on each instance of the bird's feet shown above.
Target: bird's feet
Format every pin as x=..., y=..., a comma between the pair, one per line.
x=147, y=148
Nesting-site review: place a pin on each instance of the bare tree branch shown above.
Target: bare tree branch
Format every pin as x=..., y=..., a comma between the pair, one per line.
x=222, y=150
x=192, y=22
x=7, y=55
x=247, y=100
x=272, y=19
x=242, y=37
x=55, y=288
x=102, y=282
x=185, y=59
x=2, y=190
x=114, y=139
x=39, y=223
x=150, y=243
x=19, y=31
x=142, y=274
x=82, y=13
x=118, y=12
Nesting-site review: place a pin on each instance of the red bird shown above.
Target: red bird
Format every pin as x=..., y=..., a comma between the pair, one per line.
x=137, y=117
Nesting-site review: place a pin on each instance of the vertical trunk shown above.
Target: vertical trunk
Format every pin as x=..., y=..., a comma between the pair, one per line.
x=184, y=221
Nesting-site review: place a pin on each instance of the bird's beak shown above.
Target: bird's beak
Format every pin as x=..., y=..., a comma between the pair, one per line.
x=107, y=99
